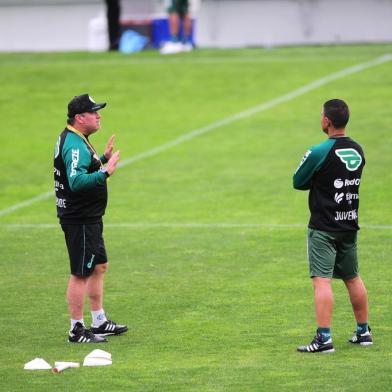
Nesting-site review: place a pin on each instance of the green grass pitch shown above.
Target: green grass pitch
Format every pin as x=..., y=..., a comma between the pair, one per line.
x=206, y=239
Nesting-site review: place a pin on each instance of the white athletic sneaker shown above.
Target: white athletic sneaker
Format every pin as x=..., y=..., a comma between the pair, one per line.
x=187, y=47
x=171, y=47
x=80, y=334
x=109, y=328
x=317, y=346
x=364, y=339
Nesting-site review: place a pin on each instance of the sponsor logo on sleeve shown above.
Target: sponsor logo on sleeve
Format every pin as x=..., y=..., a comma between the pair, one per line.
x=350, y=157
x=305, y=157
x=75, y=161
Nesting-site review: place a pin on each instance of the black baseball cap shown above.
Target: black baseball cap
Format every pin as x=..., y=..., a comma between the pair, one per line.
x=82, y=104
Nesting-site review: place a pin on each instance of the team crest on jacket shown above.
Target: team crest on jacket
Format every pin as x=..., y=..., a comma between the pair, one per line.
x=350, y=157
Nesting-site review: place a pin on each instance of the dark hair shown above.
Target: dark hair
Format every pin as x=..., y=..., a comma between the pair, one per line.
x=71, y=121
x=337, y=112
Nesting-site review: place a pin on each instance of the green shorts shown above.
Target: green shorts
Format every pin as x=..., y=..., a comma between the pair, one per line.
x=178, y=6
x=332, y=254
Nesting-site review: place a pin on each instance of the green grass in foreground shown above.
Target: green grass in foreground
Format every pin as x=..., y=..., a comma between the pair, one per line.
x=208, y=310
x=211, y=308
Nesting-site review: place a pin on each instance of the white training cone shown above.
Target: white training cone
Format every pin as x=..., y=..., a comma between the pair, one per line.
x=99, y=354
x=37, y=364
x=98, y=358
x=60, y=366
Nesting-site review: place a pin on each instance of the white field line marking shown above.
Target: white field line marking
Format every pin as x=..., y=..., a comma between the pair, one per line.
x=257, y=109
x=26, y=203
x=214, y=225
x=228, y=120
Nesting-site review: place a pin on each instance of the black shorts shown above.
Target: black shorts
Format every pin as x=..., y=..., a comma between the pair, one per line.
x=86, y=247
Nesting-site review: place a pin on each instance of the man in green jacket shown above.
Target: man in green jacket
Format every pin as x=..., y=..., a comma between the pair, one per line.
x=331, y=171
x=81, y=198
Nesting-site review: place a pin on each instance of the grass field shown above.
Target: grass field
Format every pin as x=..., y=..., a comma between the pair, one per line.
x=205, y=235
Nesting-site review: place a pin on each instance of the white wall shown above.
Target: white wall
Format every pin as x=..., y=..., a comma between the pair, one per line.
x=233, y=23
x=46, y=27
x=64, y=25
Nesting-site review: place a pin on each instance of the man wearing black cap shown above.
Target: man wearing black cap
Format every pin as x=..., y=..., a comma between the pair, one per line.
x=81, y=198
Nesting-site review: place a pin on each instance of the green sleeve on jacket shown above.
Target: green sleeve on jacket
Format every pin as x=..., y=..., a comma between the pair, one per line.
x=310, y=164
x=77, y=159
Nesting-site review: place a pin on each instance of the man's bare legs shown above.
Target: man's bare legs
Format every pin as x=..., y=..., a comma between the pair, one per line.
x=323, y=301
x=95, y=286
x=358, y=298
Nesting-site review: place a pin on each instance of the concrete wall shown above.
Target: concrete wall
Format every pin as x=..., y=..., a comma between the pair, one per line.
x=62, y=25
x=233, y=23
x=47, y=27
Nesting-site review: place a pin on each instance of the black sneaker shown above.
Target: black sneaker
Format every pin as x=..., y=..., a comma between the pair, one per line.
x=109, y=328
x=363, y=339
x=80, y=334
x=317, y=346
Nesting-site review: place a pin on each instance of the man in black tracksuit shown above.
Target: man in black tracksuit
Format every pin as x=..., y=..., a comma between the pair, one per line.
x=331, y=171
x=113, y=11
x=81, y=197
